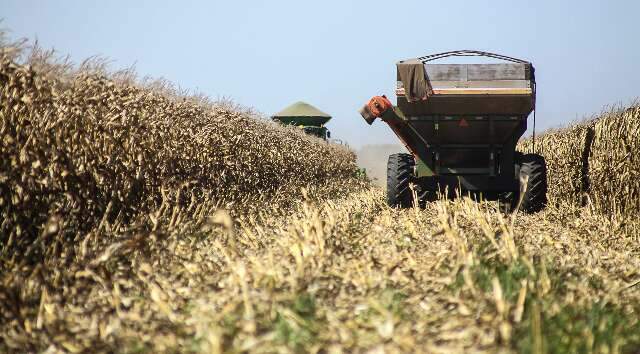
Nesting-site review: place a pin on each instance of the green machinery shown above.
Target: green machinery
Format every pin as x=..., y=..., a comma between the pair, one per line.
x=310, y=119
x=461, y=124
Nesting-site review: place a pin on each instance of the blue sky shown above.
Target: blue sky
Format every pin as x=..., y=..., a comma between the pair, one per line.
x=337, y=54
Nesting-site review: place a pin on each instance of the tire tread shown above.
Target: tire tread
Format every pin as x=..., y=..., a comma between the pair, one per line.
x=399, y=175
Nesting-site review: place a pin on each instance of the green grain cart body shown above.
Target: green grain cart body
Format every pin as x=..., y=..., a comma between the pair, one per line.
x=305, y=116
x=461, y=122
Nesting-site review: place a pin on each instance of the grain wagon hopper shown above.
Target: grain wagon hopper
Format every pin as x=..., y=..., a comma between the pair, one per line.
x=310, y=119
x=461, y=123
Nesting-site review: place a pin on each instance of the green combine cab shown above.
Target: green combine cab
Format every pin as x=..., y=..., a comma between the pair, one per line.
x=461, y=123
x=310, y=119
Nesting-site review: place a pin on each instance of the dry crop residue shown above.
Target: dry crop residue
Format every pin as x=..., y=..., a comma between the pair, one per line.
x=454, y=277
x=353, y=274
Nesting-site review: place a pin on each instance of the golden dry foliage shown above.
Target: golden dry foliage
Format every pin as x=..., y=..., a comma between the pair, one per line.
x=96, y=172
x=85, y=152
x=614, y=163
x=595, y=163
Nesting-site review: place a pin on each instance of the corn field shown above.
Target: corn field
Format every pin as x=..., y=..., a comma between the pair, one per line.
x=595, y=163
x=135, y=218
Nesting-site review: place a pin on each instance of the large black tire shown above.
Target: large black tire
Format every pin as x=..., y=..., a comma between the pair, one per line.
x=532, y=169
x=400, y=172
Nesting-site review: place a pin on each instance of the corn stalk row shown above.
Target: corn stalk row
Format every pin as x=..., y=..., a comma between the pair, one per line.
x=594, y=163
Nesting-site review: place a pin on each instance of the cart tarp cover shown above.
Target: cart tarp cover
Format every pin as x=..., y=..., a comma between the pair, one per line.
x=414, y=80
x=302, y=113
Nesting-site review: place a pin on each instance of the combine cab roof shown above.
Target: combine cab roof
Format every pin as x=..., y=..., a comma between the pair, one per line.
x=302, y=113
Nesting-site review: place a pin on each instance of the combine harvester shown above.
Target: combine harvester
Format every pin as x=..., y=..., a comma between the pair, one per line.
x=310, y=119
x=461, y=123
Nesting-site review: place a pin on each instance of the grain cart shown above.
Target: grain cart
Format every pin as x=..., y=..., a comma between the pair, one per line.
x=461, y=123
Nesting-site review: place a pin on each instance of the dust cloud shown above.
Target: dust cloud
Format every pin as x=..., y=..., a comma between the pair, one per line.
x=373, y=158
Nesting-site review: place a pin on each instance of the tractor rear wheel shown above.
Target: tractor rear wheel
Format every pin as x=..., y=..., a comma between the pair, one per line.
x=533, y=181
x=400, y=172
x=533, y=169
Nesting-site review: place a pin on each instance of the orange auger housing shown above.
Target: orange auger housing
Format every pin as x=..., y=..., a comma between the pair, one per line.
x=375, y=108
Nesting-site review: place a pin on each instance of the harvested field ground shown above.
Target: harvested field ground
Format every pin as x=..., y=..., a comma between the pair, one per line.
x=138, y=220
x=351, y=275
